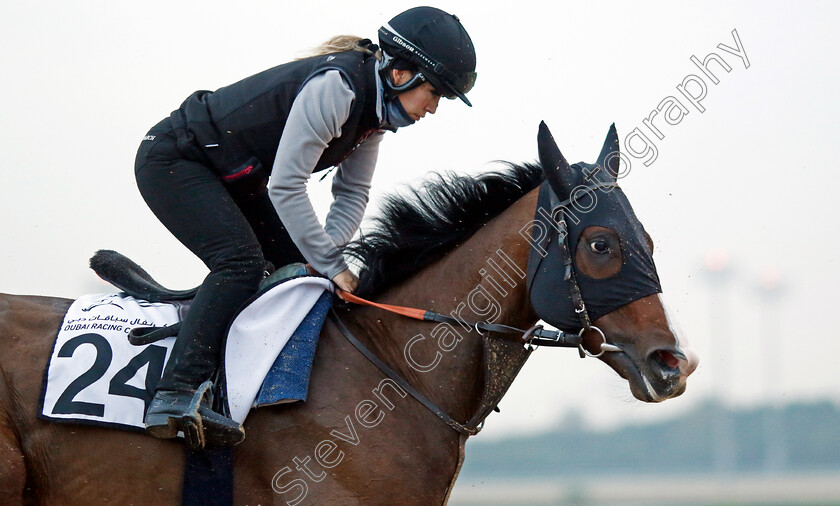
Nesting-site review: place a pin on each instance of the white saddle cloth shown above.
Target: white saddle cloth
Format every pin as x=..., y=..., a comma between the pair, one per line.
x=95, y=376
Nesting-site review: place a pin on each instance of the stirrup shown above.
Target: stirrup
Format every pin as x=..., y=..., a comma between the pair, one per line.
x=191, y=423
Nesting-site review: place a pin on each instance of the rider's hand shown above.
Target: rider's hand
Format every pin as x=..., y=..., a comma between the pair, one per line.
x=346, y=280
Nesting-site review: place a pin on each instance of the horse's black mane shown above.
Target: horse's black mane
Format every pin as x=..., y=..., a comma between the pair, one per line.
x=416, y=229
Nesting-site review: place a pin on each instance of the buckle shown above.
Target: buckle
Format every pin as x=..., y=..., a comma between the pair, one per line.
x=605, y=346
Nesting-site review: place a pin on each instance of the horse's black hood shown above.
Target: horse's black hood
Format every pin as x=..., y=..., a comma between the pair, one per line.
x=567, y=196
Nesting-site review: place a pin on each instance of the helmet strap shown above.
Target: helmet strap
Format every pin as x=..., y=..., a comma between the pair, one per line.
x=386, y=64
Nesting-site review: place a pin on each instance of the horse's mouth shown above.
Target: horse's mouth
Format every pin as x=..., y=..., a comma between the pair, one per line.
x=657, y=378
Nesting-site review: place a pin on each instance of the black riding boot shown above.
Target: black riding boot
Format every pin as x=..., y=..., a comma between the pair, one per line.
x=171, y=412
x=177, y=405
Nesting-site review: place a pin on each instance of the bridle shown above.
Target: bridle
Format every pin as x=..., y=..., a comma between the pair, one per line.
x=533, y=337
x=561, y=231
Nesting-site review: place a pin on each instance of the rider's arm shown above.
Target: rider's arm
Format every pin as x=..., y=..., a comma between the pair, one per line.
x=350, y=189
x=316, y=117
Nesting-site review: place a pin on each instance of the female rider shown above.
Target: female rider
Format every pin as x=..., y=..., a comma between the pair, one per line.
x=203, y=172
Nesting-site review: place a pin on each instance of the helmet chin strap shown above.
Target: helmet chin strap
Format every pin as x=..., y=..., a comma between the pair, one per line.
x=395, y=114
x=391, y=89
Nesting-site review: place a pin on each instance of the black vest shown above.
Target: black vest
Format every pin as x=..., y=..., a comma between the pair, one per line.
x=238, y=123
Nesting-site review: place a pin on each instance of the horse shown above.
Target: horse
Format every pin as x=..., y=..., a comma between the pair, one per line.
x=458, y=246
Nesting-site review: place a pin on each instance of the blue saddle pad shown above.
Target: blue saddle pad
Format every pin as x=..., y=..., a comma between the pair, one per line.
x=288, y=379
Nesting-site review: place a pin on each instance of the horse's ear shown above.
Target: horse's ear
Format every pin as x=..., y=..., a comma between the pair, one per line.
x=557, y=171
x=611, y=147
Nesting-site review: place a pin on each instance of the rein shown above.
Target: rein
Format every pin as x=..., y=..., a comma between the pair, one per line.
x=474, y=425
x=536, y=335
x=422, y=399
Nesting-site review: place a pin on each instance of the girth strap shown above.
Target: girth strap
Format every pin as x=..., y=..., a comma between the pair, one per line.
x=422, y=399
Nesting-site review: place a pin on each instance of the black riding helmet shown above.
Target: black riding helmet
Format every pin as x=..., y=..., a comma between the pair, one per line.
x=437, y=44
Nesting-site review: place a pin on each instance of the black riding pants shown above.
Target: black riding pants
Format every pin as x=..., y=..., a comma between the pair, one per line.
x=233, y=233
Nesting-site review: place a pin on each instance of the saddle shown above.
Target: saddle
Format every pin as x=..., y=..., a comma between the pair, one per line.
x=290, y=308
x=132, y=279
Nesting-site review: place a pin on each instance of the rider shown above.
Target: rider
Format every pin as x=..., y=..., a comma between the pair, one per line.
x=203, y=172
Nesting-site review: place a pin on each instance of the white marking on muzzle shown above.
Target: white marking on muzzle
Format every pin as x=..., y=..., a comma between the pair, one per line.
x=651, y=392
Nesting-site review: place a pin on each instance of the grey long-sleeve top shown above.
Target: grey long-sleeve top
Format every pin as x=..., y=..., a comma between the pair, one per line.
x=316, y=117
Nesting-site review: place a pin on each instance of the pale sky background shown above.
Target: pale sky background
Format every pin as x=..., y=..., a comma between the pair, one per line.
x=755, y=174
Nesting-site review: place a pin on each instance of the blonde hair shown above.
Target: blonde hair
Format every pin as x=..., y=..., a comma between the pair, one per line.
x=337, y=44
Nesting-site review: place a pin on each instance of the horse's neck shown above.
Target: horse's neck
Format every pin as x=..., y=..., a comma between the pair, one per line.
x=481, y=280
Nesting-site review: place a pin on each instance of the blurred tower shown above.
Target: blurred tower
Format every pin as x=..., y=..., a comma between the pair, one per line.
x=719, y=274
x=775, y=444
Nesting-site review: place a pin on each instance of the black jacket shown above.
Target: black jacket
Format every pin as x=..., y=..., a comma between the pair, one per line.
x=232, y=126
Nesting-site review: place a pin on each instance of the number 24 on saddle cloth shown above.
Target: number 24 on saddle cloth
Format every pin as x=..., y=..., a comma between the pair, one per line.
x=96, y=377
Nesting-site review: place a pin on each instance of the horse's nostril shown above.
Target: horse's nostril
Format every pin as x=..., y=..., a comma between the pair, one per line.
x=668, y=358
x=665, y=364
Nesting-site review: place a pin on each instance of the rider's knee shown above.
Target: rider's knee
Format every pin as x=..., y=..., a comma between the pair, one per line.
x=246, y=262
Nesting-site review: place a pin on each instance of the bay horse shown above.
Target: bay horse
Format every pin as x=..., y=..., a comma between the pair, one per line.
x=458, y=246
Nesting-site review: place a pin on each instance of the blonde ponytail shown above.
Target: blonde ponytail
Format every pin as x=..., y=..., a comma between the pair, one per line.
x=337, y=44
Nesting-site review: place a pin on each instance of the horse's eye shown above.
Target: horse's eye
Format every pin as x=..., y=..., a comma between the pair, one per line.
x=599, y=246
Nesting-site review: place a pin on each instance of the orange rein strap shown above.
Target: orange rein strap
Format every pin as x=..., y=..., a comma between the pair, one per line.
x=537, y=335
x=417, y=314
